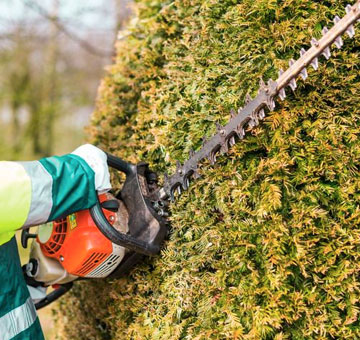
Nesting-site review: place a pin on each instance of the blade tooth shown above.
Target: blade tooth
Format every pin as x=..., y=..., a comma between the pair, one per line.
x=302, y=52
x=304, y=73
x=325, y=30
x=166, y=180
x=281, y=72
x=282, y=94
x=257, y=119
x=179, y=189
x=262, y=83
x=315, y=64
x=262, y=114
x=204, y=141
x=314, y=42
x=212, y=157
x=270, y=104
x=240, y=132
x=240, y=109
x=254, y=120
x=196, y=174
x=339, y=43
x=178, y=166
x=224, y=148
x=351, y=31
x=172, y=194
x=293, y=84
x=186, y=183
x=291, y=62
x=251, y=124
x=232, y=113
x=215, y=156
x=271, y=84
x=232, y=141
x=191, y=153
x=348, y=8
x=327, y=53
x=220, y=129
x=336, y=19
x=248, y=99
x=262, y=86
x=218, y=126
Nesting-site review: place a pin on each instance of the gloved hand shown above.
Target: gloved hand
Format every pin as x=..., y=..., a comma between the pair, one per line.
x=97, y=160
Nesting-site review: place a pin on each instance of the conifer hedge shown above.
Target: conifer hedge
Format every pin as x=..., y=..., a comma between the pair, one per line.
x=267, y=244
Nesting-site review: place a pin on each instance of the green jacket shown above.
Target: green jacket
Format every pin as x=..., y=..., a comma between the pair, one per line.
x=32, y=193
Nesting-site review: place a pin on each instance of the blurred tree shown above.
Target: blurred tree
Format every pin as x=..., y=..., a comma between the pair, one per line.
x=52, y=56
x=18, y=84
x=51, y=94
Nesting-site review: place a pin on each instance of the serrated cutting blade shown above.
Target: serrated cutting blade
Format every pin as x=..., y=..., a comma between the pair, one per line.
x=254, y=109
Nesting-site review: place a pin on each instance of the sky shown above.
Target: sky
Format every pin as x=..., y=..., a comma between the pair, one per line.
x=93, y=21
x=81, y=13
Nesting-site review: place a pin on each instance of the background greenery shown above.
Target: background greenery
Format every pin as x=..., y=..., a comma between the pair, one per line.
x=52, y=57
x=266, y=245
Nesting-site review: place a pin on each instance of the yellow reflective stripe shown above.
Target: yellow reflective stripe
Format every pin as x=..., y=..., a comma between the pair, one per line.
x=6, y=237
x=15, y=198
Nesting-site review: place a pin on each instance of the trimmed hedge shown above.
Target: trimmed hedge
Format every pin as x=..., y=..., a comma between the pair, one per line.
x=267, y=244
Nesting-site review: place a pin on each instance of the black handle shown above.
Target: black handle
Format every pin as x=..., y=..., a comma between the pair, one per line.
x=118, y=238
x=121, y=165
x=54, y=295
x=25, y=235
x=125, y=240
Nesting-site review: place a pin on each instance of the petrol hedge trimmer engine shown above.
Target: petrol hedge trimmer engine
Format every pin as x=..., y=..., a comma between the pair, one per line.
x=105, y=241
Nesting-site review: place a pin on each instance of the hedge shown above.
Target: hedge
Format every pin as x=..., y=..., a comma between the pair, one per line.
x=266, y=245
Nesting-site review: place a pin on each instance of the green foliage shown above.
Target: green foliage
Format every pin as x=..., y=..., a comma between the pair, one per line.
x=267, y=244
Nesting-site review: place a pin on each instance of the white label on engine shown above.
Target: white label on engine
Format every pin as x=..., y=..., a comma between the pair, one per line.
x=109, y=264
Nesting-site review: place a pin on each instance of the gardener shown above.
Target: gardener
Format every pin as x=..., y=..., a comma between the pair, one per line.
x=33, y=193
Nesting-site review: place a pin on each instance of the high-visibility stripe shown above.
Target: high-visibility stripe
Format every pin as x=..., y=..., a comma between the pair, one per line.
x=15, y=198
x=41, y=193
x=6, y=237
x=17, y=320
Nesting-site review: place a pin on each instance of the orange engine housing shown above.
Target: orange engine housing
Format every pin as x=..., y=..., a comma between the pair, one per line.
x=80, y=247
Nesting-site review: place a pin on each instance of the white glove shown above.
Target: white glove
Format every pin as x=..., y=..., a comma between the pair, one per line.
x=97, y=160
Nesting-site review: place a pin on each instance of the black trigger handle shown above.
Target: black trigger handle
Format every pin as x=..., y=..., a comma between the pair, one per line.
x=25, y=235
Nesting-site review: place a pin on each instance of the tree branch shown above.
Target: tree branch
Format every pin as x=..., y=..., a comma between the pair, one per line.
x=61, y=27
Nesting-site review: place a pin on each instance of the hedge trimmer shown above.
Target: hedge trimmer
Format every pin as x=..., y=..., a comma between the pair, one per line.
x=114, y=235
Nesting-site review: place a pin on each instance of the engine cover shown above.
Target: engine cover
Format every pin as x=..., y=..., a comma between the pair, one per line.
x=78, y=245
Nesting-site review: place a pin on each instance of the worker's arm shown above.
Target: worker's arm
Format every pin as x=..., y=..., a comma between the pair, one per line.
x=36, y=192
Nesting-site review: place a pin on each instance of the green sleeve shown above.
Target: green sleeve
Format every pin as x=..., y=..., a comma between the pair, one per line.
x=36, y=192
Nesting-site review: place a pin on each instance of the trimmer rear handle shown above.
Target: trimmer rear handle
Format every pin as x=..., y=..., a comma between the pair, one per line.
x=121, y=165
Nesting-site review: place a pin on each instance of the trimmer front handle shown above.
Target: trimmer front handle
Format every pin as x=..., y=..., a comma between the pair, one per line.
x=147, y=228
